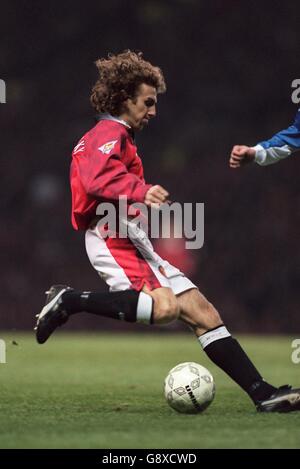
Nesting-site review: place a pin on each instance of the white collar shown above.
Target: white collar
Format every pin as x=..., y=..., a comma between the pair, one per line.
x=109, y=117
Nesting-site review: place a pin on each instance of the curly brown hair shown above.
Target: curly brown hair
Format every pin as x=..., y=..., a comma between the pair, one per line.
x=119, y=78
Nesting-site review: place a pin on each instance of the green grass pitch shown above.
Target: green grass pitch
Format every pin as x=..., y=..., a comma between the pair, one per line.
x=93, y=390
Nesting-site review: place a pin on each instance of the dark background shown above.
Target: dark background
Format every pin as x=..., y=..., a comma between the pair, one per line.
x=229, y=67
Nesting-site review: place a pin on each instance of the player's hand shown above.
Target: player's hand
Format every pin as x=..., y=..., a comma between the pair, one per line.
x=156, y=196
x=240, y=155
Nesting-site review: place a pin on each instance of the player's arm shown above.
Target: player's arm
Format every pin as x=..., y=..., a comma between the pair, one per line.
x=277, y=148
x=105, y=176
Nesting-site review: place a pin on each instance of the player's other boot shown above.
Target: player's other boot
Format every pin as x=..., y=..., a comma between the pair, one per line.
x=52, y=314
x=284, y=399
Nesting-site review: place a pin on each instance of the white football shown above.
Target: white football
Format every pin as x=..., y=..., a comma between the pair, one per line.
x=189, y=388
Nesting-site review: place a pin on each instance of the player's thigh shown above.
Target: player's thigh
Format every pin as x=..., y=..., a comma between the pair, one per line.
x=165, y=304
x=196, y=311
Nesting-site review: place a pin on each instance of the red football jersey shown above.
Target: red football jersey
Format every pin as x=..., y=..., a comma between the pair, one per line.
x=105, y=165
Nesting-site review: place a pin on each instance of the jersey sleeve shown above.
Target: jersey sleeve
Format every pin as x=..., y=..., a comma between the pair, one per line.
x=280, y=146
x=104, y=175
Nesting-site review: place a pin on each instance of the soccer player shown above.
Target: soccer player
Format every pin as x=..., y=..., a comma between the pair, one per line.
x=143, y=287
x=280, y=146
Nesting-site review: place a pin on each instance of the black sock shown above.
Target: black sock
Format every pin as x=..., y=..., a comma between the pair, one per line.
x=226, y=352
x=127, y=305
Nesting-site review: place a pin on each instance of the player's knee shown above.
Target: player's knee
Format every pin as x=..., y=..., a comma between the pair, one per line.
x=166, y=310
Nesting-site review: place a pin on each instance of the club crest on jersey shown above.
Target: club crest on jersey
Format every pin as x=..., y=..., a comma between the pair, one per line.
x=107, y=147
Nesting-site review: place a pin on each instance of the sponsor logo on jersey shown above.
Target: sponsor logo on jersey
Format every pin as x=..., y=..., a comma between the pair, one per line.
x=107, y=147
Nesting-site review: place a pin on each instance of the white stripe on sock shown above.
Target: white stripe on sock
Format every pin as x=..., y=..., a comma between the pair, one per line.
x=144, y=308
x=211, y=336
